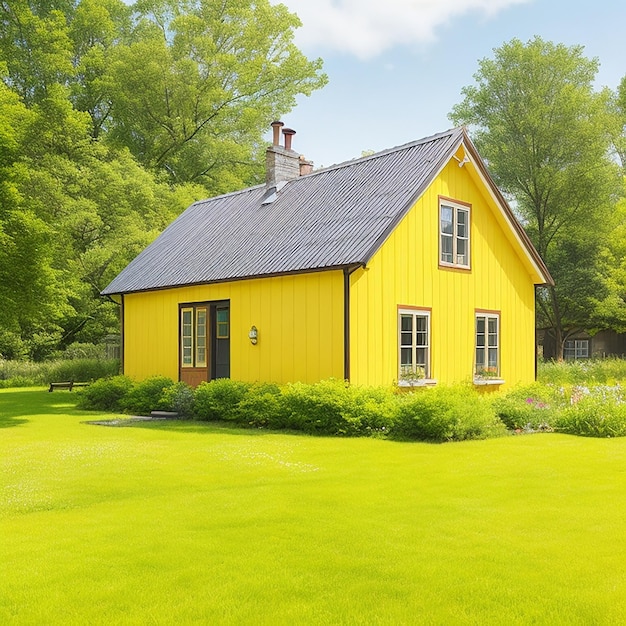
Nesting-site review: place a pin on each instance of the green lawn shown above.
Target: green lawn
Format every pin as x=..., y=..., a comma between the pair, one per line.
x=189, y=523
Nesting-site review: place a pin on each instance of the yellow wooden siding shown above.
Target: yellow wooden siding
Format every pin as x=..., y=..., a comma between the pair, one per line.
x=299, y=320
x=405, y=271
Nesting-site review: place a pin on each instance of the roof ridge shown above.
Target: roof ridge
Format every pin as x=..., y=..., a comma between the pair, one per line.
x=227, y=194
x=349, y=162
x=447, y=133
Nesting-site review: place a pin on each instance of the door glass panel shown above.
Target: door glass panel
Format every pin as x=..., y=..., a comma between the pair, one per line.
x=201, y=355
x=187, y=337
x=222, y=330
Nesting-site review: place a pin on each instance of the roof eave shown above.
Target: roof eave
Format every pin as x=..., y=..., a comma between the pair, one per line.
x=542, y=271
x=351, y=265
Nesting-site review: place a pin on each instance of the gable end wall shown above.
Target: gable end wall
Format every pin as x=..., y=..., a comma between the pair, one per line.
x=405, y=271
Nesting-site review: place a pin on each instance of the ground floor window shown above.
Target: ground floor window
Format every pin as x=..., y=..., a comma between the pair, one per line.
x=576, y=349
x=487, y=345
x=414, y=345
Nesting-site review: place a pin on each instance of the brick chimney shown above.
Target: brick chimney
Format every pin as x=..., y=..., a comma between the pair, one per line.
x=282, y=162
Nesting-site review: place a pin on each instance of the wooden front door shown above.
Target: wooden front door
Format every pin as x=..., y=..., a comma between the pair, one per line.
x=204, y=342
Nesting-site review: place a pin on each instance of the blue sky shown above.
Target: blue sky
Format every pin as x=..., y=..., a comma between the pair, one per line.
x=396, y=67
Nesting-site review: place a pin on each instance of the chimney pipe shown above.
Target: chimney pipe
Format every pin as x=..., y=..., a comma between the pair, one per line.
x=288, y=133
x=306, y=167
x=276, y=126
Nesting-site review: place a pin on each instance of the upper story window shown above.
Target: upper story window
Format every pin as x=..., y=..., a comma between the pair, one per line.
x=454, y=233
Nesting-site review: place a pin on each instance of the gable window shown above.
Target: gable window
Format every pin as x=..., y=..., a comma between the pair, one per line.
x=487, y=365
x=454, y=230
x=576, y=349
x=414, y=346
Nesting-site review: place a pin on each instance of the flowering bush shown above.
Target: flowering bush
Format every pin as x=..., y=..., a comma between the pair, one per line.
x=530, y=407
x=594, y=415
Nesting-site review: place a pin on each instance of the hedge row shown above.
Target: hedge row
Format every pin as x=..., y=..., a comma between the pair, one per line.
x=330, y=407
x=333, y=407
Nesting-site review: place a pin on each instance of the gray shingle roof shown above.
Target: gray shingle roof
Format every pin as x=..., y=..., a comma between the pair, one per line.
x=335, y=217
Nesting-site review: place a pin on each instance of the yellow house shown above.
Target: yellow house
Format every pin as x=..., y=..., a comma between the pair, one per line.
x=405, y=267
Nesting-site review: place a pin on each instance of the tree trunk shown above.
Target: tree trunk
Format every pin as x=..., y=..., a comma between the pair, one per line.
x=559, y=339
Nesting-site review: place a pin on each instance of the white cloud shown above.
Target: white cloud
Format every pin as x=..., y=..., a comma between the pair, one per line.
x=366, y=28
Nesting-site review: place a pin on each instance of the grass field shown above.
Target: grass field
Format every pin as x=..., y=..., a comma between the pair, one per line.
x=192, y=523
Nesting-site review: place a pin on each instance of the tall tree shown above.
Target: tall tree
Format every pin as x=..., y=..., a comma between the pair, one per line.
x=545, y=134
x=619, y=130
x=195, y=90
x=113, y=118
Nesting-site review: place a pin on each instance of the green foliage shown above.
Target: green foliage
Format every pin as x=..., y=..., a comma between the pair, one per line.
x=79, y=350
x=263, y=406
x=595, y=415
x=148, y=395
x=330, y=407
x=586, y=372
x=580, y=397
x=442, y=414
x=106, y=394
x=333, y=407
x=80, y=370
x=107, y=111
x=179, y=398
x=219, y=399
x=530, y=407
x=12, y=346
x=546, y=135
x=197, y=84
x=15, y=382
x=28, y=373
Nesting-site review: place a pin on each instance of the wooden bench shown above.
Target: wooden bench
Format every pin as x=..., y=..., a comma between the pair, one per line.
x=69, y=385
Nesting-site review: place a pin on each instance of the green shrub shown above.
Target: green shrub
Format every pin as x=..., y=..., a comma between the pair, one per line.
x=446, y=414
x=106, y=394
x=529, y=407
x=594, y=416
x=147, y=395
x=178, y=397
x=375, y=408
x=318, y=409
x=15, y=382
x=263, y=406
x=334, y=407
x=322, y=408
x=219, y=399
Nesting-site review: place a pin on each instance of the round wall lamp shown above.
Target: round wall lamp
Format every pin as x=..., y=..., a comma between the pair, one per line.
x=253, y=335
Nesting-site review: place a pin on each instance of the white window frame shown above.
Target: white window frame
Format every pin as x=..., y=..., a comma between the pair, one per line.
x=414, y=374
x=578, y=349
x=459, y=237
x=487, y=370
